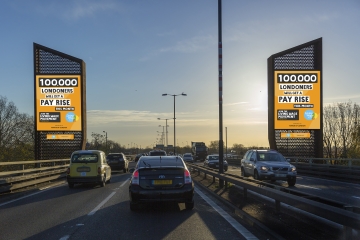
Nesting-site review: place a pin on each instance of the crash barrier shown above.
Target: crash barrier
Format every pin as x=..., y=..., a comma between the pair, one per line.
x=340, y=169
x=339, y=213
x=16, y=175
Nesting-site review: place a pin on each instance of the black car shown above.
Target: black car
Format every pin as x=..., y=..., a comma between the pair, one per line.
x=118, y=161
x=212, y=161
x=157, y=153
x=137, y=157
x=161, y=179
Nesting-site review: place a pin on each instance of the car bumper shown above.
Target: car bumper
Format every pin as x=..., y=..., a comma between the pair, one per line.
x=182, y=195
x=277, y=176
x=95, y=179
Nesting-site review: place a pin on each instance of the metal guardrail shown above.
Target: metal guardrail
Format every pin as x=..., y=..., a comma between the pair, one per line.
x=16, y=175
x=333, y=211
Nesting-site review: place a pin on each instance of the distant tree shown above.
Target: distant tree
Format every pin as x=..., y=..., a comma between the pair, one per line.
x=239, y=149
x=16, y=133
x=214, y=146
x=339, y=130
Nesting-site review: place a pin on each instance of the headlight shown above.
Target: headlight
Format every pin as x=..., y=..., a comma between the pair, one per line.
x=263, y=168
x=293, y=169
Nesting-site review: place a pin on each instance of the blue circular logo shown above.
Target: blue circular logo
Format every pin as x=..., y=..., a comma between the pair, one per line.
x=70, y=117
x=309, y=115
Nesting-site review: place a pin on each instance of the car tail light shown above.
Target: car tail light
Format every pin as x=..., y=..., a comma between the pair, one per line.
x=99, y=170
x=68, y=171
x=187, y=176
x=135, y=178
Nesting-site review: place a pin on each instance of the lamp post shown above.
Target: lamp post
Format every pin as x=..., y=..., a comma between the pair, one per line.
x=105, y=141
x=174, y=95
x=166, y=133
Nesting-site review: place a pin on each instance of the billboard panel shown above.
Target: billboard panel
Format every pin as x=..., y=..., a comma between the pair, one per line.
x=58, y=102
x=297, y=99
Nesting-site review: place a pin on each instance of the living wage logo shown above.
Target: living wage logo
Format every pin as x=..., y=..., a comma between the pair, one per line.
x=310, y=115
x=71, y=117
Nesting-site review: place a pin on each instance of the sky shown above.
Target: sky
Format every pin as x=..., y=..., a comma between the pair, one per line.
x=137, y=50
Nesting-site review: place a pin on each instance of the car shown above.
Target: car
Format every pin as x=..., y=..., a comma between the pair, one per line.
x=137, y=157
x=161, y=179
x=88, y=166
x=118, y=161
x=268, y=164
x=212, y=161
x=187, y=157
x=157, y=153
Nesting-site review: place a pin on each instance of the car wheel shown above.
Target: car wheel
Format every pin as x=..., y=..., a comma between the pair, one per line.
x=256, y=175
x=243, y=174
x=291, y=182
x=102, y=184
x=71, y=185
x=133, y=206
x=225, y=169
x=189, y=205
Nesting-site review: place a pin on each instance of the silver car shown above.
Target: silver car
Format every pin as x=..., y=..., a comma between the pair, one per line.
x=268, y=165
x=187, y=157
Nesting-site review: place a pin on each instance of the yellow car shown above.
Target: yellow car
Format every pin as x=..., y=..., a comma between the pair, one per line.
x=88, y=166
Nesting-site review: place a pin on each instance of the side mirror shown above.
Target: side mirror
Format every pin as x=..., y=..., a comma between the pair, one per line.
x=252, y=159
x=131, y=170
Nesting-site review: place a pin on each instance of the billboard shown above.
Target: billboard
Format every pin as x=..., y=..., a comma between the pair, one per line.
x=58, y=102
x=297, y=99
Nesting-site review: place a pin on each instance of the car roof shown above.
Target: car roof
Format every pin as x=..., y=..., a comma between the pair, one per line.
x=265, y=150
x=114, y=153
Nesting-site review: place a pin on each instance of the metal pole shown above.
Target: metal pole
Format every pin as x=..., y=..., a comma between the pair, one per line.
x=221, y=144
x=166, y=133
x=226, y=141
x=174, y=126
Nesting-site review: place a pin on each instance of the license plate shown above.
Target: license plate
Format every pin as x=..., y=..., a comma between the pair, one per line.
x=83, y=174
x=162, y=182
x=280, y=175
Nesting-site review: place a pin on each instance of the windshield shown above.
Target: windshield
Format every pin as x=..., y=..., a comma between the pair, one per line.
x=273, y=157
x=200, y=148
x=213, y=158
x=84, y=158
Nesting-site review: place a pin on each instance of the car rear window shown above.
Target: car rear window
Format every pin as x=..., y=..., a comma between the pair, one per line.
x=84, y=158
x=187, y=155
x=157, y=153
x=151, y=163
x=114, y=156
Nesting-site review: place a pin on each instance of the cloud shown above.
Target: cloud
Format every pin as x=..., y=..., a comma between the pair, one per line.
x=193, y=44
x=82, y=9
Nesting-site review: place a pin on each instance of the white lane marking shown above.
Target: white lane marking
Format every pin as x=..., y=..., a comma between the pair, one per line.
x=307, y=186
x=41, y=191
x=101, y=204
x=124, y=182
x=65, y=237
x=241, y=229
x=356, y=197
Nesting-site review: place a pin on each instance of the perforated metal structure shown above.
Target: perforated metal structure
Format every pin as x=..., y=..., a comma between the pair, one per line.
x=307, y=56
x=51, y=62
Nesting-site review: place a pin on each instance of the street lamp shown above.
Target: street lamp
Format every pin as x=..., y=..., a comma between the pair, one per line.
x=174, y=95
x=166, y=125
x=105, y=141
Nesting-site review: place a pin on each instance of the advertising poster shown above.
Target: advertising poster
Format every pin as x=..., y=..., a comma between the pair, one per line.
x=58, y=102
x=297, y=99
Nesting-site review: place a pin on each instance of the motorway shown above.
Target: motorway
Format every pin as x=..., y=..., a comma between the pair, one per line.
x=93, y=212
